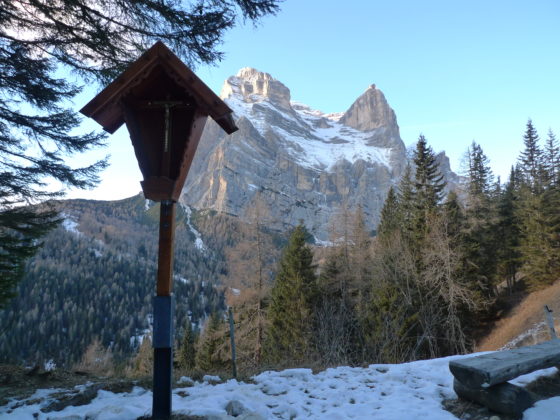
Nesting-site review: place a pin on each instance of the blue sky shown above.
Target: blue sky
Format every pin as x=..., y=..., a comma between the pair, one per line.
x=454, y=71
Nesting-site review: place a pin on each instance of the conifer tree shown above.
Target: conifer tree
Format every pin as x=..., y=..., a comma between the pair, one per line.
x=507, y=244
x=551, y=160
x=537, y=210
x=390, y=219
x=428, y=187
x=535, y=235
x=531, y=159
x=479, y=172
x=211, y=355
x=406, y=199
x=187, y=351
x=479, y=238
x=292, y=300
x=453, y=213
x=21, y=230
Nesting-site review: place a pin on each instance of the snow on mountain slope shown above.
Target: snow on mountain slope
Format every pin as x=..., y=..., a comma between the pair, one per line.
x=385, y=392
x=313, y=139
x=302, y=163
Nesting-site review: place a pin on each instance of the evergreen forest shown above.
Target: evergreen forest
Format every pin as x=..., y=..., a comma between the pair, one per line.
x=93, y=280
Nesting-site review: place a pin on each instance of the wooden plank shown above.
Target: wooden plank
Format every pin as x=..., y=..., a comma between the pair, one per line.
x=502, y=398
x=165, y=256
x=494, y=368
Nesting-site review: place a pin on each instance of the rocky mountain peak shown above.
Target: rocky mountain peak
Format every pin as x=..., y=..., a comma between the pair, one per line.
x=370, y=111
x=301, y=163
x=255, y=86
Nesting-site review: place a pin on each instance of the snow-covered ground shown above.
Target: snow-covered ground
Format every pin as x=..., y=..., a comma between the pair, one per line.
x=386, y=392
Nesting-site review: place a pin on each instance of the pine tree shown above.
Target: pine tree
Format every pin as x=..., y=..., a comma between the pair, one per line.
x=428, y=187
x=187, y=351
x=479, y=238
x=507, y=244
x=539, y=198
x=406, y=203
x=453, y=213
x=211, y=354
x=551, y=160
x=531, y=159
x=479, y=172
x=41, y=43
x=390, y=219
x=21, y=229
x=293, y=296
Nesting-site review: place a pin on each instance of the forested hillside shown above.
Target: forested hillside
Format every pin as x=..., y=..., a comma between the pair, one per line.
x=441, y=268
x=95, y=278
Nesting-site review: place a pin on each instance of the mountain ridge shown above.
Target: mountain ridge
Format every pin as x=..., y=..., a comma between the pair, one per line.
x=301, y=163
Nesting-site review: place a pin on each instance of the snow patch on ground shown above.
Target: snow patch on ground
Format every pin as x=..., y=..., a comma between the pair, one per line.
x=543, y=410
x=198, y=243
x=70, y=224
x=139, y=335
x=49, y=365
x=322, y=243
x=180, y=279
x=386, y=392
x=531, y=332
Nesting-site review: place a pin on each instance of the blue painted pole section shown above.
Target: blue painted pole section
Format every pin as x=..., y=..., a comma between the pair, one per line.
x=163, y=356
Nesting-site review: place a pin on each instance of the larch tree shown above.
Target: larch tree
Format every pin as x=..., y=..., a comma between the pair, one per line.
x=48, y=50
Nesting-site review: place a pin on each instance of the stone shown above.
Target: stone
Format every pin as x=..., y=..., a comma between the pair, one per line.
x=234, y=408
x=370, y=111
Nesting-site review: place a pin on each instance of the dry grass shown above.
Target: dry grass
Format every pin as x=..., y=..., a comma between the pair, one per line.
x=525, y=316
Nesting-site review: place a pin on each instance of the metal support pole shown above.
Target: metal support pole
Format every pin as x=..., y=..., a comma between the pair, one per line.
x=550, y=322
x=163, y=316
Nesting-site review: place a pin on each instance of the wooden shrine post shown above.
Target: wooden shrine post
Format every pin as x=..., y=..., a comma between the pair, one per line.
x=165, y=107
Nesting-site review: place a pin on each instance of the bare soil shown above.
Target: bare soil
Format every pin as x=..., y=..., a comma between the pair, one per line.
x=524, y=315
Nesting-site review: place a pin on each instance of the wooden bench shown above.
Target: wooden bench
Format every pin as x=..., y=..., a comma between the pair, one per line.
x=483, y=379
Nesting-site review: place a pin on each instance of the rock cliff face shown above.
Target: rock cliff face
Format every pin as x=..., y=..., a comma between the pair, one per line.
x=303, y=164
